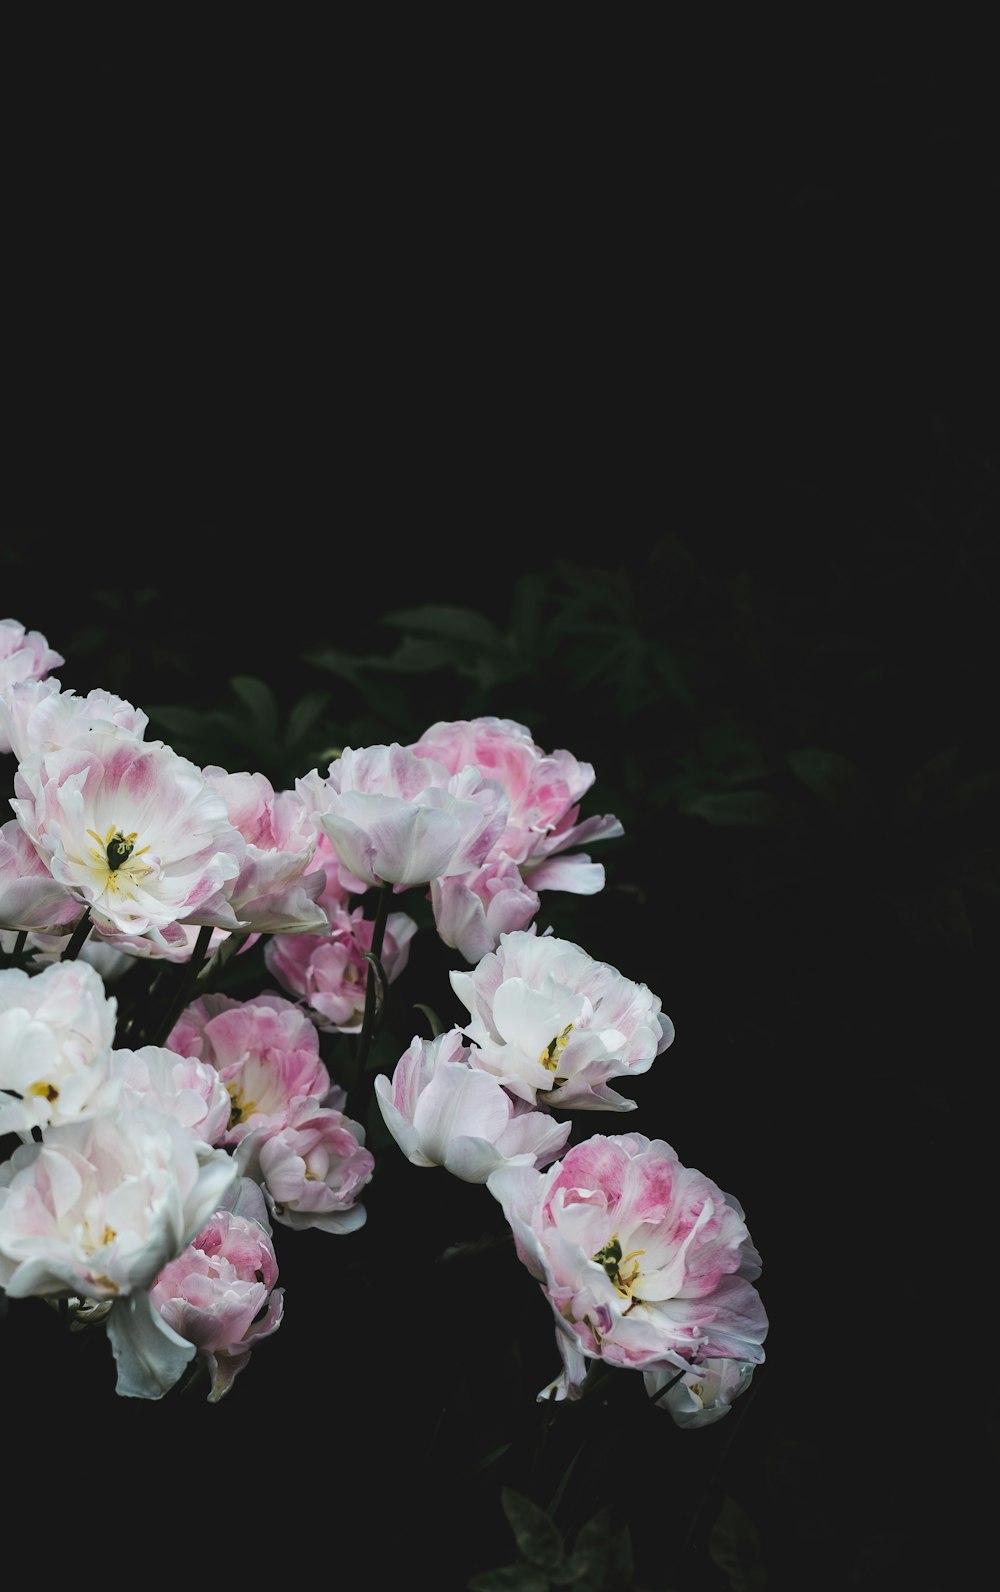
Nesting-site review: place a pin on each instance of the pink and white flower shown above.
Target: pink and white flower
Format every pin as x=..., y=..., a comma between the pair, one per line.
x=24, y=655
x=57, y=1028
x=220, y=1295
x=329, y=971
x=544, y=791
x=702, y=1395
x=645, y=1263
x=133, y=831
x=179, y=1086
x=277, y=889
x=398, y=819
x=39, y=716
x=442, y=1110
x=30, y=899
x=555, y=1026
x=312, y=1168
x=472, y=910
x=101, y=1204
x=265, y=1050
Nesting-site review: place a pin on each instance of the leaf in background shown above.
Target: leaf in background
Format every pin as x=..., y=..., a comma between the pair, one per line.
x=305, y=713
x=829, y=775
x=260, y=699
x=536, y=1535
x=745, y=808
x=734, y=1547
x=454, y=624
x=510, y=1578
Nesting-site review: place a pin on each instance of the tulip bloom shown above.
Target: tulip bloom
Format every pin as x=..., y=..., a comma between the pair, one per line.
x=543, y=789
x=443, y=1110
x=179, y=1086
x=329, y=971
x=395, y=818
x=312, y=1168
x=277, y=888
x=645, y=1263
x=38, y=716
x=24, y=655
x=133, y=831
x=220, y=1294
x=265, y=1050
x=57, y=1028
x=703, y=1395
x=555, y=1026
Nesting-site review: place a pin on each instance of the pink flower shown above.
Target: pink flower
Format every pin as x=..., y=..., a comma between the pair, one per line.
x=444, y=1111
x=395, y=818
x=133, y=831
x=38, y=716
x=329, y=972
x=472, y=910
x=24, y=655
x=179, y=1086
x=220, y=1294
x=30, y=899
x=277, y=889
x=645, y=1263
x=312, y=1169
x=265, y=1050
x=555, y=1025
x=544, y=790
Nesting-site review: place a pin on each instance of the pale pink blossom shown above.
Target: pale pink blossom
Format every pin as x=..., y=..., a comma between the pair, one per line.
x=220, y=1295
x=443, y=1111
x=702, y=1395
x=39, y=716
x=57, y=1028
x=555, y=1026
x=472, y=910
x=329, y=971
x=24, y=655
x=312, y=1169
x=133, y=831
x=646, y=1263
x=180, y=1086
x=265, y=1050
x=544, y=791
x=398, y=819
x=277, y=889
x=30, y=898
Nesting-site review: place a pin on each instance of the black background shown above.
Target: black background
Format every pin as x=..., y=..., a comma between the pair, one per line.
x=298, y=355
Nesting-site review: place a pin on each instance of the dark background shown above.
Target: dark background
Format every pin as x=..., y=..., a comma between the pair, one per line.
x=685, y=388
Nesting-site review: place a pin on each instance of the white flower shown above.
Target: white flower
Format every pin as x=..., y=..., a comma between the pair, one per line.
x=443, y=1110
x=57, y=1028
x=133, y=831
x=553, y=1024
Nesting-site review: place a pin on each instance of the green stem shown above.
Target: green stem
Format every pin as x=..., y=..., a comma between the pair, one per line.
x=374, y=979
x=77, y=938
x=187, y=982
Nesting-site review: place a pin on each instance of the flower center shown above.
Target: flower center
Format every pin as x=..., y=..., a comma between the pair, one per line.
x=118, y=861
x=612, y=1259
x=241, y=1109
x=549, y=1058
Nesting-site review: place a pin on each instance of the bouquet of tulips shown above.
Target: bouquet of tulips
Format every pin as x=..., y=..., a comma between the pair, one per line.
x=163, y=1123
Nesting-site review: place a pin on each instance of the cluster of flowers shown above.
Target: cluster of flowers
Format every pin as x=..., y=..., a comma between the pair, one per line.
x=151, y=1170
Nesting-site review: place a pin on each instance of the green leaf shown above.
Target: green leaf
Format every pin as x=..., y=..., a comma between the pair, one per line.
x=443, y=619
x=259, y=698
x=727, y=809
x=304, y=715
x=829, y=775
x=433, y=1019
x=510, y=1578
x=536, y=1535
x=734, y=1547
x=418, y=655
